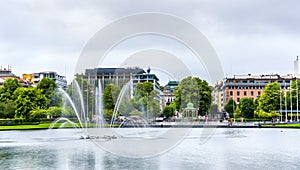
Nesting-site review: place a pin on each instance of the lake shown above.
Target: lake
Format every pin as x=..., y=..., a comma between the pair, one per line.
x=225, y=148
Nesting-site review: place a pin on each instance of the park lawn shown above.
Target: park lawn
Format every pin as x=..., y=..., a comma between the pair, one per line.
x=281, y=126
x=32, y=127
x=43, y=126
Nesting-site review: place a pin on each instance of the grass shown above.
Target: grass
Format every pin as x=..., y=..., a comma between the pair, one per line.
x=42, y=126
x=281, y=126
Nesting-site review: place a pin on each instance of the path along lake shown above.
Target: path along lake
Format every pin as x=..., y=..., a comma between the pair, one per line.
x=226, y=148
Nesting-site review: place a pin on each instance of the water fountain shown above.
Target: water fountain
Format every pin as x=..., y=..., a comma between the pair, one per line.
x=116, y=137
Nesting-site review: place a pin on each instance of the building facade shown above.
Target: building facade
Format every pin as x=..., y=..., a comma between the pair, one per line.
x=167, y=95
x=252, y=86
x=218, y=96
x=35, y=78
x=116, y=76
x=6, y=73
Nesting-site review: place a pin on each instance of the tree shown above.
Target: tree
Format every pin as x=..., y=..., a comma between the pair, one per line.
x=110, y=95
x=7, y=109
x=37, y=113
x=54, y=111
x=8, y=89
x=48, y=88
x=196, y=91
x=294, y=86
x=247, y=107
x=135, y=112
x=108, y=113
x=238, y=112
x=268, y=102
x=230, y=107
x=168, y=111
x=27, y=100
x=144, y=99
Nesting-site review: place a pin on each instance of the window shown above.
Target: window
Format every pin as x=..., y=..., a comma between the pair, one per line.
x=238, y=99
x=245, y=93
x=238, y=93
x=252, y=94
x=231, y=93
x=259, y=93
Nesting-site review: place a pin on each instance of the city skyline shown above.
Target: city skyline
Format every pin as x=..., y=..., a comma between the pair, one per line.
x=251, y=37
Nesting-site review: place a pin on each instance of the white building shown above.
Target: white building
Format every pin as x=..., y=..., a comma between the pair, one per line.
x=59, y=80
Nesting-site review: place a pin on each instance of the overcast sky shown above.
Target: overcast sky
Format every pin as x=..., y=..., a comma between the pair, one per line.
x=253, y=36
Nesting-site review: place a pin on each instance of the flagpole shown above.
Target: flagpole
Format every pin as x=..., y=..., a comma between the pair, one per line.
x=285, y=103
x=291, y=99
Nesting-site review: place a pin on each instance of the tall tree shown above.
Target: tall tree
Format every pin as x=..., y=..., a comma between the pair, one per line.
x=247, y=107
x=8, y=89
x=268, y=102
x=144, y=99
x=110, y=96
x=196, y=91
x=230, y=107
x=27, y=100
x=48, y=88
x=7, y=109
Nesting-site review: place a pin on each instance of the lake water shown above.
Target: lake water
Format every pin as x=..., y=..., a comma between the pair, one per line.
x=224, y=149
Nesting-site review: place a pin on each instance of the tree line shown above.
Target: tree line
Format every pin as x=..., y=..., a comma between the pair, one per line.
x=44, y=100
x=29, y=103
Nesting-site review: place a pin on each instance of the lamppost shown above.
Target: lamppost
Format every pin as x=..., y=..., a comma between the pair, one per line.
x=297, y=99
x=291, y=99
x=280, y=100
x=286, y=117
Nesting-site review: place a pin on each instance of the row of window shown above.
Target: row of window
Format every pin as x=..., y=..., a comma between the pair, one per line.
x=251, y=81
x=245, y=93
x=246, y=87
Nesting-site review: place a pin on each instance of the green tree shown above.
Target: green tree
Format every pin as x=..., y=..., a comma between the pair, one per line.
x=230, y=107
x=55, y=112
x=110, y=95
x=238, y=112
x=7, y=109
x=108, y=113
x=293, y=91
x=196, y=91
x=247, y=107
x=135, y=112
x=168, y=111
x=27, y=100
x=37, y=113
x=48, y=88
x=268, y=102
x=8, y=89
x=144, y=99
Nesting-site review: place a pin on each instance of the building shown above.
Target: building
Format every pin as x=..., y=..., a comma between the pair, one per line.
x=218, y=96
x=35, y=78
x=252, y=86
x=120, y=77
x=6, y=73
x=167, y=94
x=116, y=76
x=146, y=77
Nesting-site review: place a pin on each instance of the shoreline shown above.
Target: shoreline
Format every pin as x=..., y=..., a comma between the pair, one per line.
x=46, y=126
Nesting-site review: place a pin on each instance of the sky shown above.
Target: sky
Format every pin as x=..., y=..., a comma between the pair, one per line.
x=249, y=36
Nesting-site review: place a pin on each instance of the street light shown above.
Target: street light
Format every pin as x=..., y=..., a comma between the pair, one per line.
x=280, y=93
x=285, y=105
